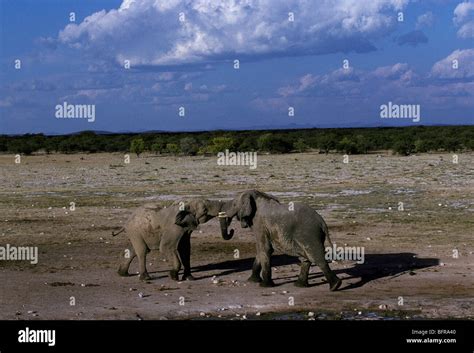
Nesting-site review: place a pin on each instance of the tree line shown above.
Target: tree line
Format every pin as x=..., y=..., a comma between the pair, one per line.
x=401, y=140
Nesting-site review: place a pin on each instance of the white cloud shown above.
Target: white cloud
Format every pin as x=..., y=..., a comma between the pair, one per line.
x=425, y=20
x=148, y=32
x=464, y=17
x=446, y=68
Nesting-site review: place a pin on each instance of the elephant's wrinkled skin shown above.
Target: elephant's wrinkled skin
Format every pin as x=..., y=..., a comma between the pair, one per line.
x=167, y=230
x=295, y=229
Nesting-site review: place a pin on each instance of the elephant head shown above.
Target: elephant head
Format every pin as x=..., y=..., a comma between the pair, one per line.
x=243, y=207
x=204, y=210
x=186, y=220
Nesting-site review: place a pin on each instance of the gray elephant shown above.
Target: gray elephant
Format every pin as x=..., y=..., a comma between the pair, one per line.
x=298, y=231
x=168, y=230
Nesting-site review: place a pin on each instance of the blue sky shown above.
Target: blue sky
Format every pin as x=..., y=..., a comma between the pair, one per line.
x=427, y=60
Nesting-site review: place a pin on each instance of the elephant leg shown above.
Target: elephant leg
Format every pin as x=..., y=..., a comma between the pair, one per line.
x=317, y=256
x=264, y=257
x=256, y=269
x=125, y=265
x=175, y=258
x=302, y=280
x=184, y=250
x=141, y=250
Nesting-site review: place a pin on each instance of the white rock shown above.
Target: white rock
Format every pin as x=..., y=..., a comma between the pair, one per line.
x=140, y=295
x=310, y=314
x=258, y=314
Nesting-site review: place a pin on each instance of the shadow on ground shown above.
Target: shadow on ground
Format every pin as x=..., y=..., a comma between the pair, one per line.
x=375, y=266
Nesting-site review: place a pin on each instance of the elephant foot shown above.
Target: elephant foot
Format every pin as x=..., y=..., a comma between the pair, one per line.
x=335, y=285
x=302, y=284
x=144, y=276
x=122, y=272
x=255, y=279
x=189, y=278
x=267, y=284
x=174, y=275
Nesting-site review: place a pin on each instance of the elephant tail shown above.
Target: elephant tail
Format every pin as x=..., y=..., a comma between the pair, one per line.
x=326, y=232
x=120, y=231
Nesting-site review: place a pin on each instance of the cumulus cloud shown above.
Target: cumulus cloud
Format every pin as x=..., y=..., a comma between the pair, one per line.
x=149, y=32
x=457, y=65
x=340, y=81
x=412, y=38
x=464, y=18
x=425, y=20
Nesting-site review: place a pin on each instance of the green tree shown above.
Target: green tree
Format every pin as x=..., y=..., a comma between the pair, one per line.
x=188, y=146
x=347, y=145
x=421, y=146
x=327, y=142
x=300, y=145
x=172, y=148
x=22, y=145
x=158, y=145
x=273, y=144
x=220, y=144
x=363, y=144
x=404, y=147
x=452, y=144
x=137, y=146
x=249, y=143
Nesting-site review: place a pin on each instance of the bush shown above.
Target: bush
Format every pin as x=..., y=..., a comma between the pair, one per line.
x=158, y=145
x=404, y=147
x=137, y=146
x=189, y=146
x=172, y=148
x=327, y=142
x=220, y=144
x=300, y=145
x=347, y=145
x=273, y=144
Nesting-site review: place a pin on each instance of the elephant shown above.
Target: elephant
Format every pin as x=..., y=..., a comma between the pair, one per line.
x=167, y=229
x=295, y=229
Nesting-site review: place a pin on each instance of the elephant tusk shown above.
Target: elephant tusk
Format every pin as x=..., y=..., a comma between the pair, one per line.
x=222, y=215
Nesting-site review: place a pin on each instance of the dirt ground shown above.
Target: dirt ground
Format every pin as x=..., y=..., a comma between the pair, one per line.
x=409, y=270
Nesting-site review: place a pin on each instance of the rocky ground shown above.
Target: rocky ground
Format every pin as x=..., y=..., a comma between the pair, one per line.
x=410, y=271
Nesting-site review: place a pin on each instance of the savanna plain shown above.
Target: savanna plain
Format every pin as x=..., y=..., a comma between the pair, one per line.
x=413, y=216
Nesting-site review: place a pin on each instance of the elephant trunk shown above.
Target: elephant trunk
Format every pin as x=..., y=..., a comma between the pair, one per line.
x=224, y=222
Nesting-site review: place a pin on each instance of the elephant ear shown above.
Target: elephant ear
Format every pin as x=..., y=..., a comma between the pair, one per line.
x=247, y=210
x=186, y=220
